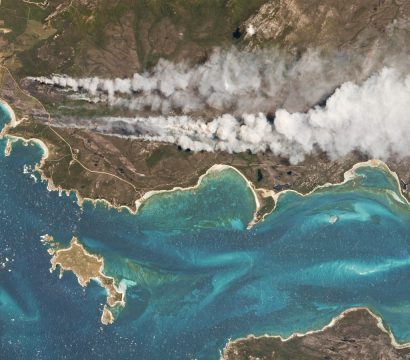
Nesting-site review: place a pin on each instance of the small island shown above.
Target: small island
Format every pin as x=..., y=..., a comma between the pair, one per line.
x=86, y=267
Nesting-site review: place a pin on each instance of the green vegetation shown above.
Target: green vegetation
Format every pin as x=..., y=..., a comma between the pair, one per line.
x=156, y=156
x=174, y=29
x=166, y=151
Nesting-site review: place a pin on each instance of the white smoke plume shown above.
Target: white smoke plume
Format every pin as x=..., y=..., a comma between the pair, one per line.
x=229, y=81
x=368, y=113
x=372, y=117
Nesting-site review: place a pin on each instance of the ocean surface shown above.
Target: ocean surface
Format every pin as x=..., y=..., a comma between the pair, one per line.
x=195, y=276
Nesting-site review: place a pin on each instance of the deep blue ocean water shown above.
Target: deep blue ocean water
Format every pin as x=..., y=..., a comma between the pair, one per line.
x=195, y=276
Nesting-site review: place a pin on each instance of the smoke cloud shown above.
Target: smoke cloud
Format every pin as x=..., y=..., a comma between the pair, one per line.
x=221, y=104
x=229, y=81
x=372, y=117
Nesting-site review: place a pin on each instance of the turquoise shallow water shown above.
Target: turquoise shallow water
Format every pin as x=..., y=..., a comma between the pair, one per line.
x=196, y=277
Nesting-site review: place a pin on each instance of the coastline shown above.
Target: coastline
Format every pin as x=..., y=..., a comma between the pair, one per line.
x=331, y=324
x=258, y=193
x=213, y=169
x=138, y=202
x=13, y=121
x=347, y=176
